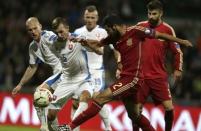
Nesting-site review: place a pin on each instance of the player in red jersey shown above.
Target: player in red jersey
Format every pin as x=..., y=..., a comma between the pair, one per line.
x=128, y=42
x=154, y=53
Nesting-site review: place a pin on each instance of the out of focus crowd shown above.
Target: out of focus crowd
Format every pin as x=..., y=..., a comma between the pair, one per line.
x=14, y=41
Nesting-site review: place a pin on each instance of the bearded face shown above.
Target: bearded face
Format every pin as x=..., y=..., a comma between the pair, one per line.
x=154, y=16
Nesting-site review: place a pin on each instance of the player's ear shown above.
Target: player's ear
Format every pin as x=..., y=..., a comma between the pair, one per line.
x=40, y=26
x=161, y=14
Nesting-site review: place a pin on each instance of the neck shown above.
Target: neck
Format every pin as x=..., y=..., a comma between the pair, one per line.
x=90, y=29
x=123, y=30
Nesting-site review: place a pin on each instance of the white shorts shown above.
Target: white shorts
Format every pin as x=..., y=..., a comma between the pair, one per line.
x=66, y=89
x=98, y=79
x=53, y=80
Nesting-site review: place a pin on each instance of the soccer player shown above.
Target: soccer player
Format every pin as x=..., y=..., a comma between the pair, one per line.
x=37, y=55
x=95, y=58
x=155, y=74
x=128, y=42
x=75, y=78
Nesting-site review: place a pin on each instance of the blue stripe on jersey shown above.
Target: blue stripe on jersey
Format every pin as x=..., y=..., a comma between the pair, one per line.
x=38, y=60
x=86, y=59
x=53, y=79
x=43, y=32
x=52, y=38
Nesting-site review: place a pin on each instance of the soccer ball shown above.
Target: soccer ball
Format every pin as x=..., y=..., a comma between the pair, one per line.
x=42, y=97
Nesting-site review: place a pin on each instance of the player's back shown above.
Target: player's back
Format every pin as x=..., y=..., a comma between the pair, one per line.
x=40, y=52
x=154, y=52
x=95, y=61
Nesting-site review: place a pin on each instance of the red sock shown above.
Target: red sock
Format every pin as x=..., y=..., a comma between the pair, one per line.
x=90, y=112
x=144, y=124
x=169, y=117
x=135, y=127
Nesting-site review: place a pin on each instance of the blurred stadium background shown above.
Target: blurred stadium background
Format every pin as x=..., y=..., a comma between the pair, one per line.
x=183, y=15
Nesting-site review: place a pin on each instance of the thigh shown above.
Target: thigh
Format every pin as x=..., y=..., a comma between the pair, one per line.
x=144, y=92
x=104, y=96
x=83, y=86
x=64, y=91
x=53, y=80
x=160, y=90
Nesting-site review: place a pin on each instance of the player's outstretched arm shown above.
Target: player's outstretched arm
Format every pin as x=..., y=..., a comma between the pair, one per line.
x=30, y=71
x=172, y=38
x=94, y=45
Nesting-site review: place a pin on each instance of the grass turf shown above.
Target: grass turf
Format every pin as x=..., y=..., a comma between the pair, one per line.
x=17, y=128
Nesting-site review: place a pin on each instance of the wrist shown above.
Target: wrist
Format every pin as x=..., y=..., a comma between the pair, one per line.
x=20, y=84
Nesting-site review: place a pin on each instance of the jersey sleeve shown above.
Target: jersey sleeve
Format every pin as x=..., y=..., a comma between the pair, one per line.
x=142, y=32
x=178, y=56
x=176, y=51
x=33, y=59
x=49, y=38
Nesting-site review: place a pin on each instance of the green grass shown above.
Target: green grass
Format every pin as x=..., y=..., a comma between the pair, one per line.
x=17, y=128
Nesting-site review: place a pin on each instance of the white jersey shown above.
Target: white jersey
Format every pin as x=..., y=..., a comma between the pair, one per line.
x=39, y=52
x=95, y=61
x=73, y=59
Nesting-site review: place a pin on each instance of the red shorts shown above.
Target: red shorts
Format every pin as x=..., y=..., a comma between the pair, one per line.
x=125, y=87
x=158, y=89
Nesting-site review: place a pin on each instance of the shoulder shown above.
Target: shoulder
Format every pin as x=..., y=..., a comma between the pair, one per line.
x=80, y=30
x=136, y=28
x=102, y=30
x=169, y=28
x=48, y=36
x=142, y=23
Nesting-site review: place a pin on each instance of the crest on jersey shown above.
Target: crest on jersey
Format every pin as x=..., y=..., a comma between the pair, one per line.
x=70, y=46
x=129, y=42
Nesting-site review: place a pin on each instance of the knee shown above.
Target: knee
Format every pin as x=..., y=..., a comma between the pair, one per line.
x=85, y=96
x=168, y=106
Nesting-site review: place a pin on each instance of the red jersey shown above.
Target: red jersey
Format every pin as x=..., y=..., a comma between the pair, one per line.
x=155, y=50
x=130, y=48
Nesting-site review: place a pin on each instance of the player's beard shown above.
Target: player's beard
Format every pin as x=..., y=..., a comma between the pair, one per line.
x=153, y=22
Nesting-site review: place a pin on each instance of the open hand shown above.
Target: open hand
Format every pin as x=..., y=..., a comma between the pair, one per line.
x=187, y=43
x=16, y=90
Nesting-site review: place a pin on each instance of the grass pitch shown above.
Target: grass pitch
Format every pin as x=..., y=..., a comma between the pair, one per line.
x=17, y=128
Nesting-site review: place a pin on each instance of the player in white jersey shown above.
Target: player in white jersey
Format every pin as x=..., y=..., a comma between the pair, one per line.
x=37, y=55
x=95, y=59
x=75, y=79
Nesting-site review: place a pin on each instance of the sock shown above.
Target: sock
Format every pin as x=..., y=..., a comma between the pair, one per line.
x=42, y=115
x=169, y=118
x=135, y=127
x=82, y=107
x=104, y=113
x=144, y=124
x=72, y=114
x=90, y=112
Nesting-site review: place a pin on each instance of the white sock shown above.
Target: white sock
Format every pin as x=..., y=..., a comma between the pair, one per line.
x=42, y=115
x=82, y=107
x=104, y=113
x=73, y=110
